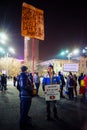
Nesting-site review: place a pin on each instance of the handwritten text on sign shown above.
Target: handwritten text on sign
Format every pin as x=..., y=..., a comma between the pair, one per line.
x=32, y=22
x=52, y=92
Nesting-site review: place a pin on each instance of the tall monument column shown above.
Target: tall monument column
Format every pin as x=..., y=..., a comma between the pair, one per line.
x=28, y=49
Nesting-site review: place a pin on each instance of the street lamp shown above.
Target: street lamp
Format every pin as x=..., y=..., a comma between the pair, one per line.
x=63, y=53
x=69, y=56
x=11, y=50
x=73, y=53
x=76, y=51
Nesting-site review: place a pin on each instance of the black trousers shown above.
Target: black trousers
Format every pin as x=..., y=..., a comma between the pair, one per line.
x=52, y=104
x=70, y=93
x=25, y=104
x=61, y=90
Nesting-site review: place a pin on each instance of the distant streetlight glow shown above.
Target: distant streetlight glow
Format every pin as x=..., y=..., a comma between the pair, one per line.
x=11, y=50
x=83, y=51
x=2, y=50
x=67, y=51
x=62, y=53
x=76, y=51
x=3, y=38
x=69, y=55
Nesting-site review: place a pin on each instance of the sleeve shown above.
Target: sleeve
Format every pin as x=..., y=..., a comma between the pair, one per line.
x=43, y=83
x=58, y=80
x=18, y=86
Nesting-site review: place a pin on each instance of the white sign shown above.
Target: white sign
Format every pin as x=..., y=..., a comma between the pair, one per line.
x=52, y=92
x=71, y=67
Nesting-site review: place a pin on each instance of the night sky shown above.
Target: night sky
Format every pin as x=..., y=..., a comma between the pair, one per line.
x=65, y=25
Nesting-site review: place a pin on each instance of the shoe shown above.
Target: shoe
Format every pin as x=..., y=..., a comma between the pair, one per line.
x=62, y=97
x=30, y=125
x=56, y=117
x=49, y=119
x=29, y=117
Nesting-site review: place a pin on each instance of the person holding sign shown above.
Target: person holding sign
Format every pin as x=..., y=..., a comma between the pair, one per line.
x=50, y=79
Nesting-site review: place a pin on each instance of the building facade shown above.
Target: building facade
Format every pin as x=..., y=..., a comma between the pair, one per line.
x=59, y=65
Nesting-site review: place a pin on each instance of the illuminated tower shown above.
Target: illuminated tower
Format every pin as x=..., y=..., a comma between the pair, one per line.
x=28, y=50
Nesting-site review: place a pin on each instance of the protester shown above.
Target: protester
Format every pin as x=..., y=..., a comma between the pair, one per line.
x=85, y=85
x=37, y=81
x=50, y=79
x=75, y=85
x=81, y=84
x=62, y=84
x=24, y=85
x=14, y=80
x=3, y=82
x=70, y=85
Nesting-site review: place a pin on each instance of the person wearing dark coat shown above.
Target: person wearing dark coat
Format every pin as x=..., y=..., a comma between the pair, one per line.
x=3, y=82
x=24, y=85
x=62, y=84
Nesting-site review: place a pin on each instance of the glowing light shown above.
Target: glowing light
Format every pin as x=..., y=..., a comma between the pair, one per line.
x=3, y=38
x=11, y=50
x=2, y=50
x=76, y=51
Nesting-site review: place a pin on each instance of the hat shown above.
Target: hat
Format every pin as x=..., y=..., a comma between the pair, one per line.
x=59, y=72
x=51, y=66
x=24, y=68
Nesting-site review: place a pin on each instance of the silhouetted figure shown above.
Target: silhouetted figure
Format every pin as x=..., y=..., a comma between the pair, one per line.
x=24, y=85
x=3, y=82
x=14, y=80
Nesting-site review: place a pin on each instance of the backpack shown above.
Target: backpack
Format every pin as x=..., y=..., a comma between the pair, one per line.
x=25, y=83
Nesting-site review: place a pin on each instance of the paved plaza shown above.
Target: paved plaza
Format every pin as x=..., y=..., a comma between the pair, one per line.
x=72, y=114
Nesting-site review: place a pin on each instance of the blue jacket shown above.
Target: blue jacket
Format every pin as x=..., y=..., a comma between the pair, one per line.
x=47, y=81
x=25, y=86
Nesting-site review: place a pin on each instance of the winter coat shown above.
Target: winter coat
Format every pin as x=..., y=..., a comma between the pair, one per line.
x=85, y=81
x=25, y=86
x=47, y=80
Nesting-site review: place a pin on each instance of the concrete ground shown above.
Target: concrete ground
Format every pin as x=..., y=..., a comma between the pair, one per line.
x=72, y=114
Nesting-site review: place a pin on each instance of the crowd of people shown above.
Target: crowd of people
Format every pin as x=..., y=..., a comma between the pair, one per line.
x=26, y=83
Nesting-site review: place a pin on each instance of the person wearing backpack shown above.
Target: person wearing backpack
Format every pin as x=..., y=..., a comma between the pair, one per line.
x=24, y=86
x=37, y=82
